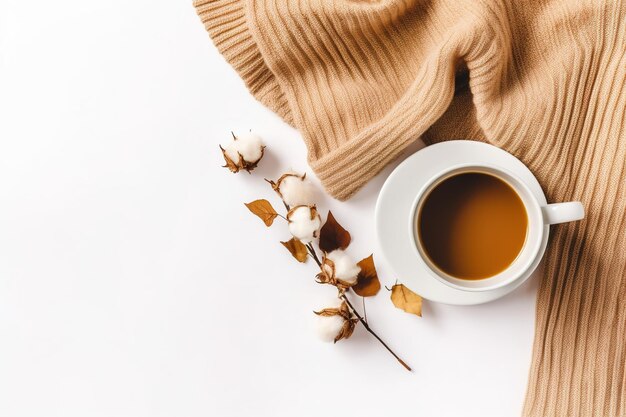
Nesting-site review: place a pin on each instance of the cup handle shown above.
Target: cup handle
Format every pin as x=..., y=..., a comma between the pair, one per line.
x=563, y=212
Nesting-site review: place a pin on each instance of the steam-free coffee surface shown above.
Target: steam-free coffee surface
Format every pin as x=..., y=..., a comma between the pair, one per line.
x=472, y=225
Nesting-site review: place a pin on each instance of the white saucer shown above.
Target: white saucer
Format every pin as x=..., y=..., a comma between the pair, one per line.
x=395, y=203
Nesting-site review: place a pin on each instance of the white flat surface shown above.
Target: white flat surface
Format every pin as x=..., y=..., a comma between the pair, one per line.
x=133, y=281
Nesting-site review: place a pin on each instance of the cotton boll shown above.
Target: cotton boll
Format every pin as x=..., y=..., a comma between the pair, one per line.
x=249, y=146
x=296, y=190
x=328, y=328
x=230, y=149
x=345, y=267
x=304, y=223
x=335, y=322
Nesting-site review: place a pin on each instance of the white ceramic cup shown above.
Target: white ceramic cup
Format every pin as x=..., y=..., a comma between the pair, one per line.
x=540, y=217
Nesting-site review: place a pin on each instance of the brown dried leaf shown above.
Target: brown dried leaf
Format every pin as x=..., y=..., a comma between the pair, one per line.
x=264, y=210
x=297, y=249
x=327, y=272
x=345, y=310
x=405, y=299
x=367, y=284
x=333, y=235
x=342, y=311
x=346, y=330
x=328, y=312
x=314, y=212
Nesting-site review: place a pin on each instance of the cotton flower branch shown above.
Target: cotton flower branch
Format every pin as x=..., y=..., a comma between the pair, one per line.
x=363, y=321
x=336, y=267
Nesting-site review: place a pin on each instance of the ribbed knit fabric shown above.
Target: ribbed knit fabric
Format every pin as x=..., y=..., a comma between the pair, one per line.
x=544, y=80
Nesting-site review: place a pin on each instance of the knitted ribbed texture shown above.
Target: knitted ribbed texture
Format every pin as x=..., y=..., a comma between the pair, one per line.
x=544, y=80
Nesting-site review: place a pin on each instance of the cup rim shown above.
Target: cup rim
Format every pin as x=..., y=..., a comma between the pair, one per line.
x=530, y=249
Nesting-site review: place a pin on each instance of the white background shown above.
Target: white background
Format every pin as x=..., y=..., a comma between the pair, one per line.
x=133, y=281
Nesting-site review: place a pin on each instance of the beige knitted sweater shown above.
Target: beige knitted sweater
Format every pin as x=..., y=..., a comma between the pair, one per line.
x=545, y=80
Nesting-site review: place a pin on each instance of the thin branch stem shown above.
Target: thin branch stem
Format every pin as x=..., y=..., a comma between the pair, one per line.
x=361, y=319
x=364, y=310
x=313, y=254
x=369, y=329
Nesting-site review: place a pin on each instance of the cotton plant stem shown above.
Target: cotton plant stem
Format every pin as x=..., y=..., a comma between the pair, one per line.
x=313, y=253
x=309, y=247
x=343, y=296
x=369, y=329
x=364, y=310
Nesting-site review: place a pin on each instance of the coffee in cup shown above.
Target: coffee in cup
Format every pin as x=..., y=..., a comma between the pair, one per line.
x=472, y=225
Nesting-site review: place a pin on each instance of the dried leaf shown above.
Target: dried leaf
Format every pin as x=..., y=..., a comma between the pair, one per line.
x=328, y=312
x=346, y=330
x=333, y=236
x=405, y=299
x=297, y=249
x=264, y=210
x=345, y=310
x=367, y=284
x=327, y=272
